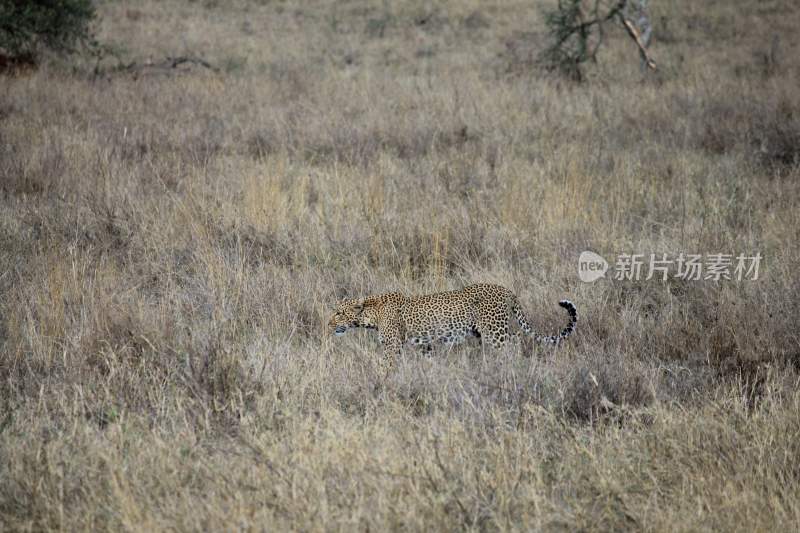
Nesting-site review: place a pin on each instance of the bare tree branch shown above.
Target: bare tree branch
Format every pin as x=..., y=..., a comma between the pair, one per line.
x=634, y=33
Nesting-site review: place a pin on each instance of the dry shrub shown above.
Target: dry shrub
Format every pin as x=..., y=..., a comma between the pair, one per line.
x=766, y=127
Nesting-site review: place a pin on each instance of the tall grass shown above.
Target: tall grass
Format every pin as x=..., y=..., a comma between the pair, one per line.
x=173, y=243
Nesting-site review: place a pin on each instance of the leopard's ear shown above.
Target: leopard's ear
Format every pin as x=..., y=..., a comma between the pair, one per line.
x=359, y=307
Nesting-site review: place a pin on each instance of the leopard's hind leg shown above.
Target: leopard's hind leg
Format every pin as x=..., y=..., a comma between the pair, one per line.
x=492, y=324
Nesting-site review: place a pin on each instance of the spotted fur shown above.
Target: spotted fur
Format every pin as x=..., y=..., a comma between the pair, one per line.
x=481, y=310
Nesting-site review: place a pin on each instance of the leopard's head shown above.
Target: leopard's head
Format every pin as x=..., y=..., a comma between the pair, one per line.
x=349, y=314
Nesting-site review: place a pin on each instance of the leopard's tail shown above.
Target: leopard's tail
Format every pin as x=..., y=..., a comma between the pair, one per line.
x=550, y=339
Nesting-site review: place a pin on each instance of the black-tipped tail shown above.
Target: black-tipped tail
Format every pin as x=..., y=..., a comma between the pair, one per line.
x=567, y=331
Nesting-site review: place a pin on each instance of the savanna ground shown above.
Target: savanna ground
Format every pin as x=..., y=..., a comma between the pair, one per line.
x=173, y=241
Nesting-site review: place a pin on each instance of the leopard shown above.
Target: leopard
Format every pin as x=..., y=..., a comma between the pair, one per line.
x=483, y=310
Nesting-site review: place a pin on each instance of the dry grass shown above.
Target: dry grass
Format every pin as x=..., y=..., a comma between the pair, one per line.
x=171, y=245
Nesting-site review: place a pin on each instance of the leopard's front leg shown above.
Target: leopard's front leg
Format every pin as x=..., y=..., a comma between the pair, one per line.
x=391, y=340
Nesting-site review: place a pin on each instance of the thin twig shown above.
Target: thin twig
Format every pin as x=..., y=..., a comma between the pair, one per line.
x=634, y=33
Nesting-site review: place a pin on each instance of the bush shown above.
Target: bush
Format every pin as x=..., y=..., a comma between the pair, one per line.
x=28, y=26
x=576, y=30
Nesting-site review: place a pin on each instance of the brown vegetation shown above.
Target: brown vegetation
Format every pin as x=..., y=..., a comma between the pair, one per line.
x=172, y=243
